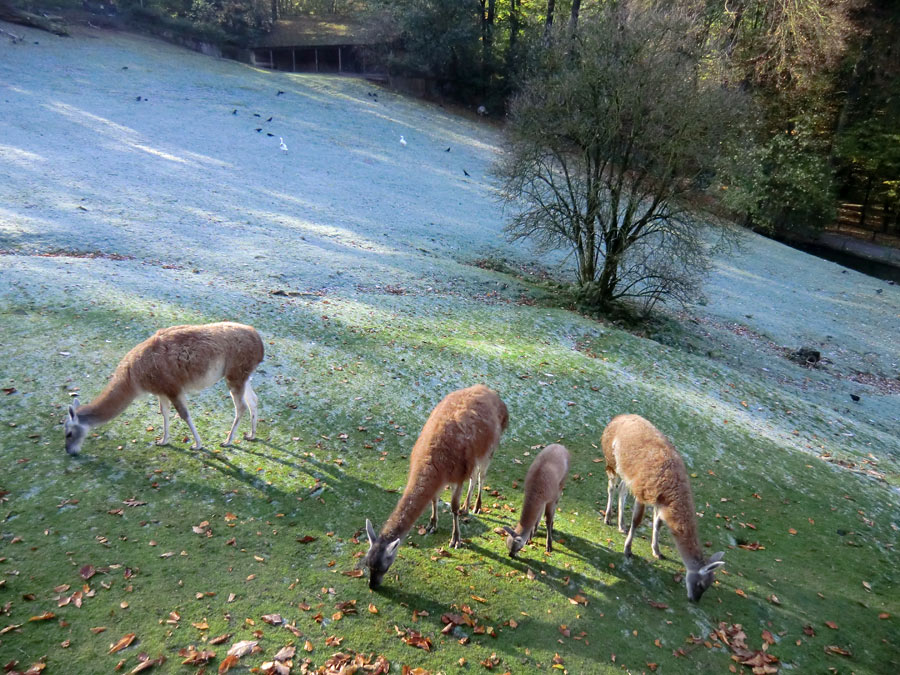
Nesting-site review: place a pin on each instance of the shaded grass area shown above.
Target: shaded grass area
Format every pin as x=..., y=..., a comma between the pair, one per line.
x=344, y=390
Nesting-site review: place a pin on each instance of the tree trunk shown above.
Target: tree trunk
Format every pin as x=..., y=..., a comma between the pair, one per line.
x=51, y=24
x=548, y=22
x=487, y=39
x=573, y=17
x=274, y=10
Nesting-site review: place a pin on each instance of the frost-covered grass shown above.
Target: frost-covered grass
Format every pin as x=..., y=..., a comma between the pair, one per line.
x=200, y=218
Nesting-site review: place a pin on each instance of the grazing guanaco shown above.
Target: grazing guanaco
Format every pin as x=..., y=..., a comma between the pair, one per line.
x=648, y=464
x=456, y=443
x=170, y=363
x=543, y=486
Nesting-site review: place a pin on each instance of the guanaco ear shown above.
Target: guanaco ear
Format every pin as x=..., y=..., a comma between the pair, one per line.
x=716, y=557
x=711, y=566
x=72, y=408
x=391, y=549
x=511, y=532
x=370, y=532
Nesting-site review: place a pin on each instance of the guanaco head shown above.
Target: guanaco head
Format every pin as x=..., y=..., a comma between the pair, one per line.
x=381, y=555
x=698, y=581
x=514, y=542
x=75, y=431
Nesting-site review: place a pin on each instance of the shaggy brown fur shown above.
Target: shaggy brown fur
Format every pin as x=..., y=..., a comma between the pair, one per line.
x=639, y=455
x=171, y=363
x=543, y=486
x=456, y=443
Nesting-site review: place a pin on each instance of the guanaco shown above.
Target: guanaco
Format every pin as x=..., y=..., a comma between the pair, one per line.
x=650, y=467
x=170, y=363
x=543, y=486
x=456, y=443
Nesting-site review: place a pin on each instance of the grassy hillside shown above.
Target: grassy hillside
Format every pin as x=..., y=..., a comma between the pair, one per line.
x=353, y=256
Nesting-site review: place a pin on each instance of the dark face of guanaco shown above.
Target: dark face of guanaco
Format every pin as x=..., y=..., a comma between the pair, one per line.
x=514, y=542
x=380, y=557
x=697, y=582
x=75, y=432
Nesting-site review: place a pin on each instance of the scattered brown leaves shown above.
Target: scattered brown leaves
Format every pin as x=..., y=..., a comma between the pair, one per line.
x=760, y=661
x=414, y=638
x=194, y=658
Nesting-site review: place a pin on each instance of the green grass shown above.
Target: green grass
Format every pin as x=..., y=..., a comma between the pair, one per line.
x=391, y=317
x=371, y=372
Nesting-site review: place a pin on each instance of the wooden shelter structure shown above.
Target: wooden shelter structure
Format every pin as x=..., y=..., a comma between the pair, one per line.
x=317, y=44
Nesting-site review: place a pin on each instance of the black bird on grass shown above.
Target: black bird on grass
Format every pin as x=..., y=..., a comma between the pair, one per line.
x=279, y=93
x=447, y=150
x=234, y=112
x=257, y=115
x=466, y=172
x=268, y=134
x=269, y=120
x=137, y=98
x=258, y=129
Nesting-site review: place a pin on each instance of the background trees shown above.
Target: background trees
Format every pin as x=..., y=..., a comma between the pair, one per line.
x=617, y=125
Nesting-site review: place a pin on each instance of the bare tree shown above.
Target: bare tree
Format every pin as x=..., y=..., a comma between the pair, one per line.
x=604, y=144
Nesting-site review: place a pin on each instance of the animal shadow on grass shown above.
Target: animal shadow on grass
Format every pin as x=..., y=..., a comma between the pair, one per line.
x=510, y=643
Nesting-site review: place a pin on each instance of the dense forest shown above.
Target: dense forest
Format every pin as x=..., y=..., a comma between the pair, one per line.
x=823, y=78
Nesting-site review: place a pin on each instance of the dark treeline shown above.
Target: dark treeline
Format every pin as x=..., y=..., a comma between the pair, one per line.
x=824, y=77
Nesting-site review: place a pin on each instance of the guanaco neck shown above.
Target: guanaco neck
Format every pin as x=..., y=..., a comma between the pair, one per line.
x=532, y=508
x=410, y=506
x=112, y=401
x=682, y=521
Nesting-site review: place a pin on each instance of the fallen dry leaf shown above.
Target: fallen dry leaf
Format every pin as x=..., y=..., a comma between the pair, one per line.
x=242, y=648
x=285, y=653
x=373, y=609
x=46, y=616
x=194, y=658
x=147, y=664
x=308, y=646
x=220, y=639
x=306, y=539
x=832, y=625
x=834, y=649
x=122, y=643
x=200, y=625
x=273, y=619
x=227, y=663
x=353, y=573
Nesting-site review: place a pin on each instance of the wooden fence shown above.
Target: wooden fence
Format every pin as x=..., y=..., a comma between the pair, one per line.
x=876, y=226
